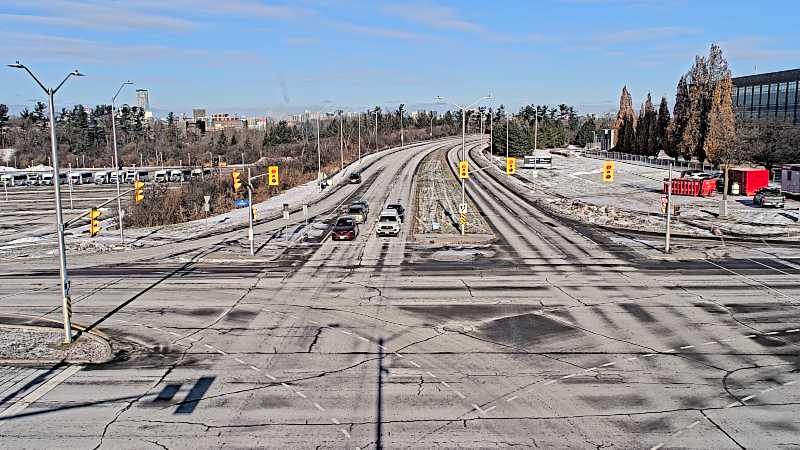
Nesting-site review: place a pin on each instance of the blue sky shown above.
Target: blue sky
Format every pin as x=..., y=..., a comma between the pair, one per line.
x=256, y=57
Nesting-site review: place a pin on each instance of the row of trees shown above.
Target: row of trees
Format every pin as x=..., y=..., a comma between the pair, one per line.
x=703, y=126
x=543, y=126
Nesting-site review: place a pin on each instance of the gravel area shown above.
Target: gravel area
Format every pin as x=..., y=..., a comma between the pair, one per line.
x=44, y=344
x=438, y=196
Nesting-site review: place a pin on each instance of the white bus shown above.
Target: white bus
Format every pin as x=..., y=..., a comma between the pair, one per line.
x=14, y=179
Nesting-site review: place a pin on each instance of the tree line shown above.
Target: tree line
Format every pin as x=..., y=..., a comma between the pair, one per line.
x=703, y=125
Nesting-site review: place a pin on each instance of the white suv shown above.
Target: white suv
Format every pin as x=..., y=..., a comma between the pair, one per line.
x=388, y=223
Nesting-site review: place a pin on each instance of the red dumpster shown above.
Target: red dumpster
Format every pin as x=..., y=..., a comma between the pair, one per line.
x=691, y=187
x=750, y=180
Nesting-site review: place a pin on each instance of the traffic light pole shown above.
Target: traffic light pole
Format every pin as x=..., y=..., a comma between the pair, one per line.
x=669, y=210
x=250, y=215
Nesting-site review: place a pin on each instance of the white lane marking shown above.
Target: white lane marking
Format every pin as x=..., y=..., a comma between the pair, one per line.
x=382, y=347
x=767, y=390
x=267, y=310
x=710, y=343
x=431, y=374
x=335, y=420
x=656, y=447
x=346, y=332
x=293, y=316
x=314, y=322
x=255, y=368
x=221, y=352
x=345, y=433
x=300, y=394
x=208, y=346
x=319, y=407
x=648, y=355
x=239, y=361
x=751, y=336
x=789, y=383
x=693, y=424
x=363, y=338
x=732, y=405
x=174, y=333
x=478, y=408
x=271, y=377
x=39, y=392
x=590, y=369
x=669, y=351
x=749, y=397
x=414, y=364
x=608, y=364
x=285, y=385
x=568, y=376
x=193, y=339
x=511, y=399
x=632, y=359
x=551, y=382
x=398, y=354
x=795, y=330
x=460, y=394
x=727, y=340
x=445, y=384
x=687, y=346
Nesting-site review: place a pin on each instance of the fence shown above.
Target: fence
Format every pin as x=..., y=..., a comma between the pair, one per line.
x=648, y=161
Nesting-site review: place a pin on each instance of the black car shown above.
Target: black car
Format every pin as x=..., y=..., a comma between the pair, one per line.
x=346, y=229
x=400, y=210
x=355, y=178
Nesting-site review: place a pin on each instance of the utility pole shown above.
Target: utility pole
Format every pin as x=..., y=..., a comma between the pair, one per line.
x=359, y=138
x=431, y=124
x=723, y=206
x=536, y=133
x=376, y=130
x=507, y=120
x=65, y=285
x=117, y=165
x=402, y=142
x=491, y=131
x=250, y=213
x=341, y=141
x=669, y=209
x=319, y=157
x=190, y=158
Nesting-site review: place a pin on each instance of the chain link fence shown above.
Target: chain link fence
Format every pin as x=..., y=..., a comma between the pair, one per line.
x=648, y=161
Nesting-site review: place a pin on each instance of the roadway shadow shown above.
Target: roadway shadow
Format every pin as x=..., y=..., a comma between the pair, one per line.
x=379, y=421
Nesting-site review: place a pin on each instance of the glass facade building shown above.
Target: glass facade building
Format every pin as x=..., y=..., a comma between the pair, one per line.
x=768, y=96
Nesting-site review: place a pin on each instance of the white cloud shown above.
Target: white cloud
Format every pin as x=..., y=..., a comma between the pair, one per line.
x=433, y=15
x=642, y=34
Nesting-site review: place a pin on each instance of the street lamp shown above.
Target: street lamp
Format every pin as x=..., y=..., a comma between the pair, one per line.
x=62, y=256
x=117, y=165
x=463, y=109
x=377, y=113
x=402, y=142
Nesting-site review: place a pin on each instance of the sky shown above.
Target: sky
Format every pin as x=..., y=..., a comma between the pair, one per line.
x=256, y=57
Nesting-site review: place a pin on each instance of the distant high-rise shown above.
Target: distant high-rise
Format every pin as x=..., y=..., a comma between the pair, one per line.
x=143, y=99
x=198, y=113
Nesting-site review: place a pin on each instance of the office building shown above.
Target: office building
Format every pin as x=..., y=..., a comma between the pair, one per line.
x=143, y=99
x=768, y=96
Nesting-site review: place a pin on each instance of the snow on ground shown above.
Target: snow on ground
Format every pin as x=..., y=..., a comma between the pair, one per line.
x=635, y=195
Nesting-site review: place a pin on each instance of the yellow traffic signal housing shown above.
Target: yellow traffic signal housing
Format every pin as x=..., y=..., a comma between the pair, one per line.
x=94, y=222
x=608, y=171
x=272, y=176
x=138, y=191
x=463, y=169
x=255, y=213
x=237, y=183
x=511, y=165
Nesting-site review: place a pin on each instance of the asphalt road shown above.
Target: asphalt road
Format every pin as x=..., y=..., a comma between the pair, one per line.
x=556, y=336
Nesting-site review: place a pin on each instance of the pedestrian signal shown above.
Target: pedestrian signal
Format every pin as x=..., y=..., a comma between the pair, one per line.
x=138, y=191
x=608, y=171
x=94, y=222
x=511, y=166
x=237, y=183
x=463, y=169
x=272, y=176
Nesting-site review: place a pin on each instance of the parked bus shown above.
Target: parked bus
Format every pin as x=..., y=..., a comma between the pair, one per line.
x=14, y=179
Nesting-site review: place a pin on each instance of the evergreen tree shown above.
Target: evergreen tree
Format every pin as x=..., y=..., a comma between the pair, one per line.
x=680, y=116
x=721, y=135
x=586, y=132
x=625, y=124
x=662, y=128
x=233, y=140
x=649, y=142
x=3, y=123
x=693, y=135
x=39, y=117
x=221, y=145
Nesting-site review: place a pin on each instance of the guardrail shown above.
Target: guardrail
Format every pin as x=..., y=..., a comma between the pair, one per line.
x=648, y=161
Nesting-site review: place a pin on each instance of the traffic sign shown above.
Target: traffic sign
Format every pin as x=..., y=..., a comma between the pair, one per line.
x=462, y=208
x=241, y=203
x=608, y=171
x=462, y=219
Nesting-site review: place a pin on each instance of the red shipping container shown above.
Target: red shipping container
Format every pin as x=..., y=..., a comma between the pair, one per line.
x=691, y=187
x=750, y=180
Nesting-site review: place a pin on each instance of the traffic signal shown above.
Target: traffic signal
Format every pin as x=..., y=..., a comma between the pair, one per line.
x=254, y=212
x=138, y=191
x=463, y=169
x=272, y=175
x=237, y=183
x=94, y=222
x=608, y=171
x=511, y=165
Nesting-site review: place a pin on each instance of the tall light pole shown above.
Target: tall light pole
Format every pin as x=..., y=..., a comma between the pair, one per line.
x=463, y=109
x=507, y=125
x=376, y=112
x=117, y=166
x=402, y=142
x=62, y=251
x=359, y=138
x=319, y=156
x=341, y=141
